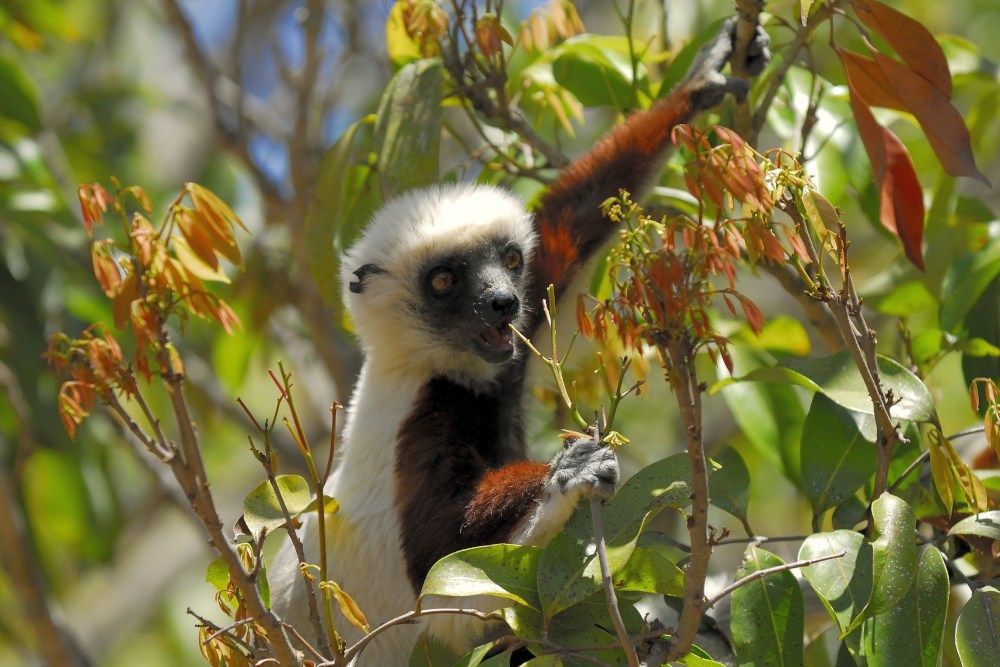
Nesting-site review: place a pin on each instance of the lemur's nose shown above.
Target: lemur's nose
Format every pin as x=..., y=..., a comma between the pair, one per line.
x=507, y=304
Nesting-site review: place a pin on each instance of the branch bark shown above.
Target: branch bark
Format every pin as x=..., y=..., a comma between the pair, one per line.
x=55, y=645
x=609, y=589
x=749, y=13
x=679, y=360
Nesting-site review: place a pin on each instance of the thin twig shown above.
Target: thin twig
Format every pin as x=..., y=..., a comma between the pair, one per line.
x=316, y=654
x=761, y=539
x=354, y=651
x=231, y=626
x=609, y=588
x=759, y=574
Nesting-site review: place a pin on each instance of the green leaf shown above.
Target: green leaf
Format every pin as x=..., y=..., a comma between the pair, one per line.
x=692, y=660
x=18, y=96
x=838, y=457
x=503, y=570
x=907, y=299
x=408, y=127
x=781, y=334
x=977, y=635
x=849, y=513
x=894, y=558
x=911, y=633
x=843, y=584
x=596, y=76
x=218, y=574
x=965, y=281
x=330, y=506
x=649, y=572
x=325, y=216
x=474, y=657
x=986, y=524
x=768, y=614
x=839, y=379
x=568, y=570
x=431, y=652
x=769, y=415
x=729, y=487
x=261, y=508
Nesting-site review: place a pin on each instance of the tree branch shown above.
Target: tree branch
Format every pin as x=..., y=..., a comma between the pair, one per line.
x=608, y=585
x=749, y=13
x=760, y=574
x=56, y=646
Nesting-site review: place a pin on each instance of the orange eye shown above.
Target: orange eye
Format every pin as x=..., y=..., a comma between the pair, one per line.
x=513, y=259
x=442, y=281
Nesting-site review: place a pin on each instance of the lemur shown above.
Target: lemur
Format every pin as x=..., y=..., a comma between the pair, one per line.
x=433, y=456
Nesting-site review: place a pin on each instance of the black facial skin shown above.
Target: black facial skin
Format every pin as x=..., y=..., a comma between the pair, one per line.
x=469, y=299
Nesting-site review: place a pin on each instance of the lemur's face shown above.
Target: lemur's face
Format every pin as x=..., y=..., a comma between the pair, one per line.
x=471, y=297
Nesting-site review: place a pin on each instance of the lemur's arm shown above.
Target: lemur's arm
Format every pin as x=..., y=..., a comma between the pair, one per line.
x=569, y=223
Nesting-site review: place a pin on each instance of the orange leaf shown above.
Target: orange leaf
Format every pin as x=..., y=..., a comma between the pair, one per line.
x=940, y=121
x=206, y=201
x=105, y=268
x=910, y=39
x=871, y=83
x=127, y=293
x=198, y=238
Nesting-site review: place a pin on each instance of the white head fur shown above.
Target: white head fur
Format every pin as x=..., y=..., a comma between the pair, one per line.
x=403, y=237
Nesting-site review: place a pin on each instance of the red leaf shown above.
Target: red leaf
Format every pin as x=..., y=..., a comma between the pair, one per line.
x=870, y=82
x=939, y=120
x=902, y=199
x=910, y=39
x=902, y=204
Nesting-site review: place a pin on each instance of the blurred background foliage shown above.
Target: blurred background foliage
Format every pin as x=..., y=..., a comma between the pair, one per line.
x=245, y=97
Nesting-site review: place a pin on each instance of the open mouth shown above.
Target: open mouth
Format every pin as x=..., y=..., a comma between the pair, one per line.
x=498, y=338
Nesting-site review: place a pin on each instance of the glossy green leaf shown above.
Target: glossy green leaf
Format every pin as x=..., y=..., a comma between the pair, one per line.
x=569, y=570
x=474, y=657
x=986, y=524
x=837, y=456
x=431, y=652
x=729, y=486
x=907, y=299
x=693, y=660
x=649, y=572
x=596, y=76
x=781, y=334
x=261, y=508
x=326, y=214
x=769, y=415
x=768, y=614
x=849, y=513
x=18, y=96
x=894, y=557
x=839, y=379
x=218, y=574
x=843, y=584
x=966, y=279
x=408, y=127
x=977, y=635
x=330, y=506
x=503, y=570
x=911, y=632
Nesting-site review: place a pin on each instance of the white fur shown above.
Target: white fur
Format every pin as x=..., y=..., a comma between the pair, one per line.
x=402, y=354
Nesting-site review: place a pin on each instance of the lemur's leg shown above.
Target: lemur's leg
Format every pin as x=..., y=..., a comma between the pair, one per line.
x=569, y=222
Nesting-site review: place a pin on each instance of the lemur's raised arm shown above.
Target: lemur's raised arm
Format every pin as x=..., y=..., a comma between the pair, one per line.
x=569, y=223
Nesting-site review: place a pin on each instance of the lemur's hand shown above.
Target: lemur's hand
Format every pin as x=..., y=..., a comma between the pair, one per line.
x=705, y=77
x=585, y=467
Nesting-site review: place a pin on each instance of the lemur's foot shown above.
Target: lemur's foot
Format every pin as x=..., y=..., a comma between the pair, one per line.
x=585, y=467
x=705, y=72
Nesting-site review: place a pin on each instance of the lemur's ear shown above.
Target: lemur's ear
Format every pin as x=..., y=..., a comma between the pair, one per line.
x=363, y=273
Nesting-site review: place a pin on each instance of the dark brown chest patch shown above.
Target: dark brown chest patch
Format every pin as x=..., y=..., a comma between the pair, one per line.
x=461, y=480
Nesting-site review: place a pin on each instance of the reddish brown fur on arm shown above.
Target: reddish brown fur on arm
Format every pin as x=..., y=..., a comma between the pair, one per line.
x=569, y=221
x=503, y=498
